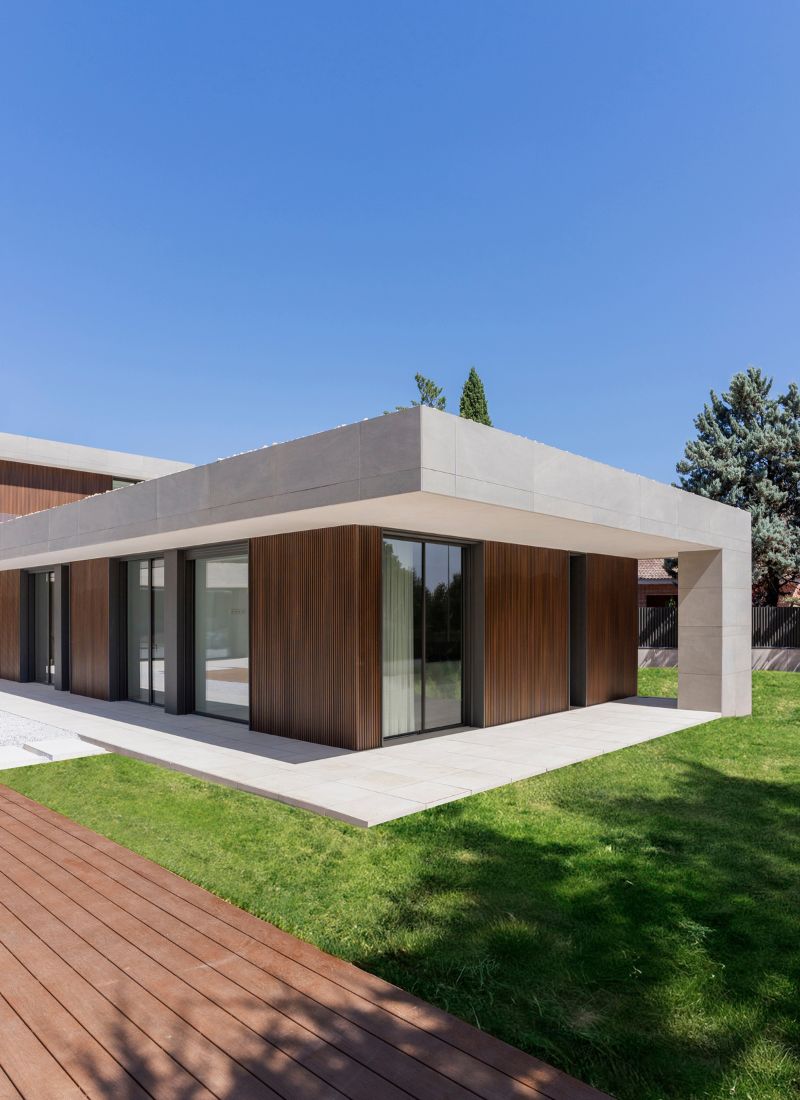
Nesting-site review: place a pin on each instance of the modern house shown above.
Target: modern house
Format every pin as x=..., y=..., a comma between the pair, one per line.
x=397, y=577
x=41, y=473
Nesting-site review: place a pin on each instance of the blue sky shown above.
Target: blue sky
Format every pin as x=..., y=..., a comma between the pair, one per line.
x=223, y=225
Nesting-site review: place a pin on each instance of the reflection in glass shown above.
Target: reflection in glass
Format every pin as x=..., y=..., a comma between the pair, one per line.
x=43, y=643
x=157, y=633
x=442, y=635
x=402, y=637
x=139, y=631
x=145, y=631
x=222, y=644
x=422, y=614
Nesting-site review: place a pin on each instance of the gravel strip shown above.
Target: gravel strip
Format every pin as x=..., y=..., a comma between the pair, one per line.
x=18, y=731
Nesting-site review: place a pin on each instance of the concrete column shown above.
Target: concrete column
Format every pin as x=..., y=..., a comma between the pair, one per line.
x=60, y=626
x=714, y=631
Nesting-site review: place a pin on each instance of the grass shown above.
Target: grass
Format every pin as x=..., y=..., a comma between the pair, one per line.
x=634, y=919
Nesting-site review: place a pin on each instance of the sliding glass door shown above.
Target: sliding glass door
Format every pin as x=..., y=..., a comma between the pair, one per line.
x=43, y=642
x=221, y=635
x=145, y=631
x=422, y=636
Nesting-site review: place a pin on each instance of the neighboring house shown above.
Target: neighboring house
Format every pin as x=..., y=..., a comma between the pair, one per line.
x=400, y=576
x=656, y=587
x=40, y=473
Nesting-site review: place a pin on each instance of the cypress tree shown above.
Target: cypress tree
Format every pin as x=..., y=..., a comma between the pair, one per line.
x=473, y=404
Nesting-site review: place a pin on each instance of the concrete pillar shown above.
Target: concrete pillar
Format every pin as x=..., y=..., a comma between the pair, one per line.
x=714, y=631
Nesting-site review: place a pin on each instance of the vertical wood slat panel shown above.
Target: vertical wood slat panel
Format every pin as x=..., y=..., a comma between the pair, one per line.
x=26, y=488
x=90, y=596
x=611, y=628
x=526, y=641
x=10, y=582
x=550, y=630
x=508, y=614
x=315, y=636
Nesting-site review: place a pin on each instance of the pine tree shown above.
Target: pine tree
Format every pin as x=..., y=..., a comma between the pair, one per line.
x=747, y=454
x=473, y=404
x=430, y=395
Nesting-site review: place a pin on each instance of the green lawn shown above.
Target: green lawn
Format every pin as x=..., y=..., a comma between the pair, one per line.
x=634, y=919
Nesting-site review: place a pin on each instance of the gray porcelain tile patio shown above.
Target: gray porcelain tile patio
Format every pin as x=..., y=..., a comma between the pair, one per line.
x=363, y=788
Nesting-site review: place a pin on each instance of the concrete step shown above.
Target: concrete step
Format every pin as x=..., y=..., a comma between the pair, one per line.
x=14, y=756
x=63, y=748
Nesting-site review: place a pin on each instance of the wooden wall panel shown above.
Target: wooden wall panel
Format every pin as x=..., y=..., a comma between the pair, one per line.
x=10, y=610
x=508, y=633
x=315, y=636
x=526, y=632
x=611, y=628
x=26, y=488
x=90, y=604
x=550, y=630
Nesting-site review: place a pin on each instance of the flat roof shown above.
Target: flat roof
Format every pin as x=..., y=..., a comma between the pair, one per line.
x=93, y=460
x=416, y=470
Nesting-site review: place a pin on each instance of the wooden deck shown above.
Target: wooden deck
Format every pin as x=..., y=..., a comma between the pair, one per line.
x=119, y=979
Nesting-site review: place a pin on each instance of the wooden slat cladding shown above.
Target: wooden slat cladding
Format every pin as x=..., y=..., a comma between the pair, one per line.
x=508, y=638
x=550, y=630
x=25, y=488
x=526, y=639
x=90, y=599
x=611, y=628
x=315, y=636
x=10, y=591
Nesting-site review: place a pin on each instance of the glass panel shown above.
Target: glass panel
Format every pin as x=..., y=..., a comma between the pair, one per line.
x=222, y=644
x=157, y=652
x=139, y=631
x=41, y=628
x=442, y=636
x=402, y=637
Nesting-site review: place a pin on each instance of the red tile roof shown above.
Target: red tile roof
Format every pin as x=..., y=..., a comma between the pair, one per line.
x=652, y=569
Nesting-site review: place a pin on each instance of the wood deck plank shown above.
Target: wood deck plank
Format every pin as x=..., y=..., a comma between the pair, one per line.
x=336, y=1031
x=415, y=1044
x=78, y=1052
x=198, y=955
x=299, y=1005
x=212, y=1067
x=260, y=1056
x=8, y=1090
x=134, y=1053
x=28, y=1065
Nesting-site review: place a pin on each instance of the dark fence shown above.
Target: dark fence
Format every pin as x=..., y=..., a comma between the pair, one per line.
x=776, y=627
x=658, y=627
x=773, y=627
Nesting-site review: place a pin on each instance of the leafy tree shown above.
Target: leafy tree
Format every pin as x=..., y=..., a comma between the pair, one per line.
x=473, y=404
x=747, y=454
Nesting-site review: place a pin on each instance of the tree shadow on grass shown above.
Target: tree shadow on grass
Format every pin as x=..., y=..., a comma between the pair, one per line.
x=649, y=947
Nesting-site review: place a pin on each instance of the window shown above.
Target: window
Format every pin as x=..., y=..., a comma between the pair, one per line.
x=221, y=635
x=422, y=636
x=145, y=630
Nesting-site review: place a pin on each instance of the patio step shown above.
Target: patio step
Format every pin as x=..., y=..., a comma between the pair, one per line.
x=15, y=756
x=62, y=748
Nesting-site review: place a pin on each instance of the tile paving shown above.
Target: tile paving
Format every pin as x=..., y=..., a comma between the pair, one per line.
x=363, y=788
